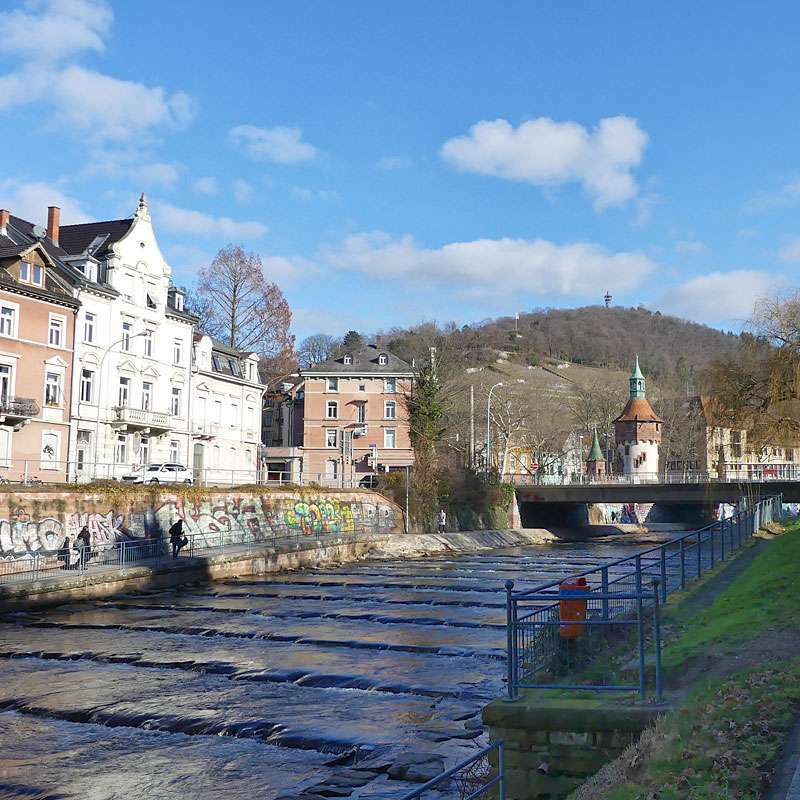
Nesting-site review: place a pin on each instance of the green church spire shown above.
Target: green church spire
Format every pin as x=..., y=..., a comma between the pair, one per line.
x=596, y=453
x=637, y=382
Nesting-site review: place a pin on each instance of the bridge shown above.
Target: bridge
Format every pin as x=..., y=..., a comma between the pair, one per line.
x=690, y=498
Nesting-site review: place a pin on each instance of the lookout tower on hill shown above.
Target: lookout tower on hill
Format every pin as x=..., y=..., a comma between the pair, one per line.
x=637, y=431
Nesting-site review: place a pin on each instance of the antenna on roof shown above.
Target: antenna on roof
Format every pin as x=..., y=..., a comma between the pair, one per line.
x=38, y=232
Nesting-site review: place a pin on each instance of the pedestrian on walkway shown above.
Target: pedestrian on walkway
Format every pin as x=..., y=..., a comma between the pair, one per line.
x=177, y=539
x=84, y=545
x=63, y=553
x=442, y=520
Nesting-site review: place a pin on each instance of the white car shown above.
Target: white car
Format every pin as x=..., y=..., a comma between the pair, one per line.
x=160, y=473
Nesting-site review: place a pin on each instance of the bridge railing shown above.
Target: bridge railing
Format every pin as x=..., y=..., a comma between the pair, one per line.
x=615, y=592
x=531, y=479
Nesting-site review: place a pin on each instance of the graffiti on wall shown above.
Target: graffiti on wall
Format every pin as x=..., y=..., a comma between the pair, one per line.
x=234, y=518
x=624, y=513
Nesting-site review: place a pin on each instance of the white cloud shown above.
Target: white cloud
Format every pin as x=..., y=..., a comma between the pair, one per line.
x=98, y=107
x=720, y=296
x=310, y=194
x=184, y=220
x=30, y=201
x=394, y=162
x=495, y=265
x=548, y=153
x=285, y=270
x=786, y=195
x=206, y=185
x=50, y=30
x=242, y=191
x=282, y=145
x=690, y=246
x=790, y=252
x=157, y=173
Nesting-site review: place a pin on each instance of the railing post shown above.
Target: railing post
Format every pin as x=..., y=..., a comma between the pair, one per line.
x=604, y=590
x=711, y=531
x=657, y=638
x=638, y=562
x=511, y=640
x=640, y=627
x=699, y=553
x=663, y=573
x=683, y=562
x=501, y=772
x=722, y=539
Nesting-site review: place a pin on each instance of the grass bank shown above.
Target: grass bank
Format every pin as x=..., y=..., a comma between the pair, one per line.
x=736, y=669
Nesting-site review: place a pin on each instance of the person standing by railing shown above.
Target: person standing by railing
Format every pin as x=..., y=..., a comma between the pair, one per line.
x=84, y=544
x=177, y=539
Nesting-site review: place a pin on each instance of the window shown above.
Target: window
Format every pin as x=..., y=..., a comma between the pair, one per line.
x=87, y=385
x=332, y=409
x=233, y=365
x=124, y=391
x=348, y=359
x=24, y=271
x=331, y=469
x=6, y=379
x=218, y=410
x=383, y=360
x=127, y=327
x=390, y=409
x=333, y=384
x=8, y=317
x=234, y=414
x=232, y=456
x=389, y=438
x=55, y=335
x=151, y=303
x=390, y=385
x=215, y=456
x=127, y=287
x=144, y=450
x=147, y=396
x=121, y=449
x=148, y=343
x=361, y=412
x=177, y=351
x=89, y=321
x=176, y=401
x=52, y=389
x=362, y=387
x=49, y=451
x=174, y=450
x=38, y=275
x=331, y=437
x=178, y=301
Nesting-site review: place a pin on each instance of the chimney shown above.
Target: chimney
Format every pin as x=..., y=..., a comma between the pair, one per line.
x=378, y=342
x=53, y=218
x=4, y=215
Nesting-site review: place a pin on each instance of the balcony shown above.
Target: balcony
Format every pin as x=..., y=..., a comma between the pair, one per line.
x=202, y=429
x=17, y=411
x=136, y=419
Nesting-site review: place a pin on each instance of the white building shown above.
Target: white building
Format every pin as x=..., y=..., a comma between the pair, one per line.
x=133, y=349
x=225, y=412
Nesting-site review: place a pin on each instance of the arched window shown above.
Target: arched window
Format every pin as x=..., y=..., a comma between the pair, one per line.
x=348, y=359
x=383, y=359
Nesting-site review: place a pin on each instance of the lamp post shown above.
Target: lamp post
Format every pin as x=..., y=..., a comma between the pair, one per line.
x=488, y=426
x=100, y=383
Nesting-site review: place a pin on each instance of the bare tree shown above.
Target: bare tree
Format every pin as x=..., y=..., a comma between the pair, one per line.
x=239, y=306
x=317, y=348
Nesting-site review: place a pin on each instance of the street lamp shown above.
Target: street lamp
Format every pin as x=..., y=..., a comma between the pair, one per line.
x=100, y=383
x=488, y=424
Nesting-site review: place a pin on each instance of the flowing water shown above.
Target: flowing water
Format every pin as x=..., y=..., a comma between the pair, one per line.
x=328, y=683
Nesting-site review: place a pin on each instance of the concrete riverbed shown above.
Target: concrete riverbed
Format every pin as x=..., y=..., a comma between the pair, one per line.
x=353, y=680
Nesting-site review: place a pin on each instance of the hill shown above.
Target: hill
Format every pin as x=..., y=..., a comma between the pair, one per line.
x=671, y=350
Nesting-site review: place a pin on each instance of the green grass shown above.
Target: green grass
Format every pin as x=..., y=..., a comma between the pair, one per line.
x=766, y=596
x=719, y=745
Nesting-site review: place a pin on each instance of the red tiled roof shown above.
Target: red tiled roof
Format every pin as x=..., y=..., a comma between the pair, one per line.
x=638, y=410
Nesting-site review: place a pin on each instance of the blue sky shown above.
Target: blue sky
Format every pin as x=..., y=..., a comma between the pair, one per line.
x=393, y=163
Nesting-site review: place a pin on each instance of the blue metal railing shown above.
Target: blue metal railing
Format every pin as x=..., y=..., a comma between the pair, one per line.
x=475, y=777
x=616, y=594
x=152, y=551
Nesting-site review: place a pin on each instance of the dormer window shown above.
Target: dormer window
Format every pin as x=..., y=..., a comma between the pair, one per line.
x=383, y=359
x=178, y=302
x=234, y=366
x=31, y=273
x=348, y=359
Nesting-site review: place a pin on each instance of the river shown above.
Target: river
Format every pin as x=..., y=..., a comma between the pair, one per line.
x=326, y=683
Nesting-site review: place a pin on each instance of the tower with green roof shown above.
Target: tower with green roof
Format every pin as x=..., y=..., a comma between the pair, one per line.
x=596, y=463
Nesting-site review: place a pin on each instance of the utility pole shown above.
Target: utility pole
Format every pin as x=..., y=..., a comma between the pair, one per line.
x=472, y=426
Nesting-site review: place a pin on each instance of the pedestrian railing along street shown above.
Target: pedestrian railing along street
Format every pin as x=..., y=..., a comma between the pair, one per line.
x=154, y=550
x=479, y=777
x=789, y=472
x=44, y=471
x=561, y=625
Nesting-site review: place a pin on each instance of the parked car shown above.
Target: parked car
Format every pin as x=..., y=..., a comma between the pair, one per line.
x=160, y=473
